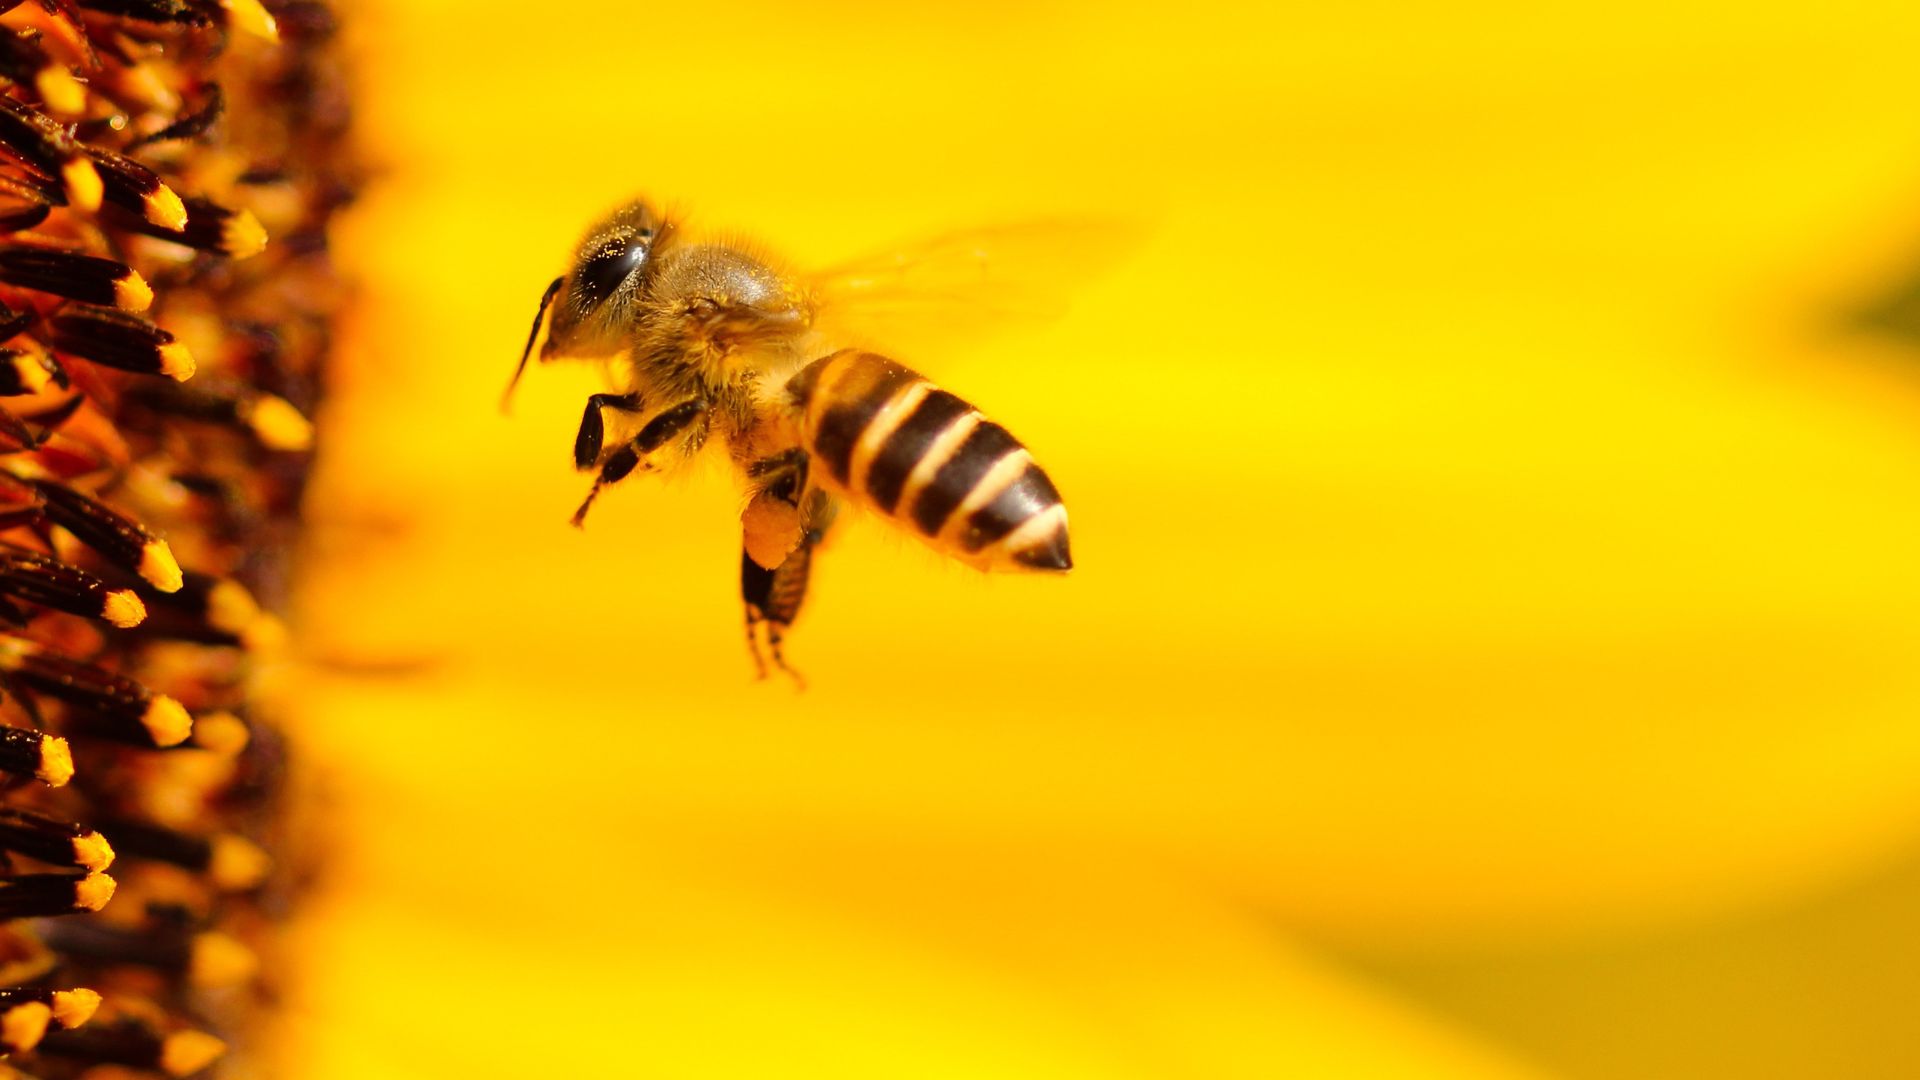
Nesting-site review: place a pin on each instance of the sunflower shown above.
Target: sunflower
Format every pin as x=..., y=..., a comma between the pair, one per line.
x=1489, y=650
x=161, y=358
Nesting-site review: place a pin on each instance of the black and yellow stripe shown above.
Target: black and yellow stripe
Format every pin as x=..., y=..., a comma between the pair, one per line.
x=892, y=440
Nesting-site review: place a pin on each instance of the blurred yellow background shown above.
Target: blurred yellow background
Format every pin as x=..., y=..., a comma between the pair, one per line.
x=1491, y=650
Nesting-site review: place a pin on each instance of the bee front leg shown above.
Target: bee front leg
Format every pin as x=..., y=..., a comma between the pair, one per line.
x=593, y=431
x=652, y=437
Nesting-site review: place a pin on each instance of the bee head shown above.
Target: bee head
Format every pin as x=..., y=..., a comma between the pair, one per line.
x=595, y=303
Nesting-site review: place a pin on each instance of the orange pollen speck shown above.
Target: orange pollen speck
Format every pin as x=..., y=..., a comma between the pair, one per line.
x=123, y=609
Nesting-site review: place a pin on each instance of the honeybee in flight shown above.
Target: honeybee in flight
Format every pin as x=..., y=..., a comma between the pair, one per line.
x=707, y=340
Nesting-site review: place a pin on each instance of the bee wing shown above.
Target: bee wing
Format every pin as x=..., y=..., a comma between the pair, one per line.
x=948, y=293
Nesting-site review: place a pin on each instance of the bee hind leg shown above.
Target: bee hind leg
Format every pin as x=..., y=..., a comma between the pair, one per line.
x=773, y=596
x=773, y=523
x=652, y=437
x=773, y=599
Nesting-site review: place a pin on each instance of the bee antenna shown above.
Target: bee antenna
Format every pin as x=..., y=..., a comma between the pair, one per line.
x=539, y=317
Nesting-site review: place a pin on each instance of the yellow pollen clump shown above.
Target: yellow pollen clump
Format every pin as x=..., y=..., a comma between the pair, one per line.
x=165, y=209
x=93, y=852
x=250, y=16
x=82, y=180
x=238, y=864
x=231, y=607
x=221, y=733
x=187, y=1052
x=123, y=609
x=60, y=90
x=278, y=425
x=23, y=1026
x=132, y=293
x=176, y=362
x=167, y=721
x=264, y=634
x=243, y=236
x=75, y=1007
x=159, y=567
x=33, y=375
x=219, y=960
x=56, y=761
x=93, y=892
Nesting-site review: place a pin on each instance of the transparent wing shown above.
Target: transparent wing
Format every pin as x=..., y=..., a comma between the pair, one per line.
x=946, y=295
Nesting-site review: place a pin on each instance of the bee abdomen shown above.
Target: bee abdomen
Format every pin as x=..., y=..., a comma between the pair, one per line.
x=910, y=450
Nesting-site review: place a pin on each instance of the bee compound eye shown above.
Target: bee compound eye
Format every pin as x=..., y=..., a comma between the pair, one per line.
x=600, y=276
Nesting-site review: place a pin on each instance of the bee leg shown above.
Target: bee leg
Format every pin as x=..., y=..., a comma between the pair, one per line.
x=786, y=469
x=773, y=599
x=756, y=585
x=652, y=437
x=773, y=596
x=772, y=523
x=586, y=445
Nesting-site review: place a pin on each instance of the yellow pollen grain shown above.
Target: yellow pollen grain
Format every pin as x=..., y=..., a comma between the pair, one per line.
x=123, y=609
x=146, y=85
x=83, y=185
x=176, y=362
x=278, y=425
x=221, y=733
x=166, y=721
x=73, y=1008
x=93, y=892
x=23, y=1026
x=243, y=236
x=132, y=293
x=250, y=16
x=220, y=961
x=30, y=373
x=60, y=91
x=230, y=606
x=238, y=864
x=265, y=634
x=187, y=1052
x=164, y=208
x=92, y=852
x=56, y=761
x=159, y=567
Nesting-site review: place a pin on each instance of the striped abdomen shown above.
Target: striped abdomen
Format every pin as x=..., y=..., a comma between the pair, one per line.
x=930, y=461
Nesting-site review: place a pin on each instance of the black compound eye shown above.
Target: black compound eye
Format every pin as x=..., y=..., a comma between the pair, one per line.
x=600, y=275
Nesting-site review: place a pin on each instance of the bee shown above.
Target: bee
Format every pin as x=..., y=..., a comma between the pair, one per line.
x=709, y=342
